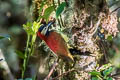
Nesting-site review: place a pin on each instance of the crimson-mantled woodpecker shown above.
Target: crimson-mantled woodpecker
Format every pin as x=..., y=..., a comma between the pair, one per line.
x=54, y=41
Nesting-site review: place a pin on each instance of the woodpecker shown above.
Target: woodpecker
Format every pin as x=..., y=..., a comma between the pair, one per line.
x=54, y=41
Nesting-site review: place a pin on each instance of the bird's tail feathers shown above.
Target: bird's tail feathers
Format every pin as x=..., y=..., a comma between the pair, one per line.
x=70, y=56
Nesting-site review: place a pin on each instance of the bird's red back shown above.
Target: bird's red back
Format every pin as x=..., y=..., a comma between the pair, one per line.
x=57, y=44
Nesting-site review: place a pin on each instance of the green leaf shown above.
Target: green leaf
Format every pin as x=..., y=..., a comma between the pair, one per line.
x=39, y=18
x=35, y=26
x=107, y=71
x=41, y=7
x=31, y=28
x=28, y=79
x=60, y=9
x=109, y=78
x=20, y=54
x=105, y=66
x=95, y=73
x=95, y=78
x=110, y=38
x=47, y=12
x=40, y=10
x=3, y=36
x=28, y=28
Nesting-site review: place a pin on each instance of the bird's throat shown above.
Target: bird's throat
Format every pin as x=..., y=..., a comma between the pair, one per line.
x=42, y=37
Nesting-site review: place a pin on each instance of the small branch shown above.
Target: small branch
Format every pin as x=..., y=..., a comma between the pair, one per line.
x=114, y=10
x=61, y=21
x=115, y=74
x=96, y=27
x=63, y=74
x=116, y=78
x=51, y=71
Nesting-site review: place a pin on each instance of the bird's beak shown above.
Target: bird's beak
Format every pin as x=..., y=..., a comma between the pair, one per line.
x=46, y=28
x=44, y=31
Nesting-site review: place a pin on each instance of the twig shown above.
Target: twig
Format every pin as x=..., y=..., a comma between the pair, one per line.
x=63, y=74
x=51, y=71
x=96, y=26
x=115, y=74
x=116, y=78
x=114, y=10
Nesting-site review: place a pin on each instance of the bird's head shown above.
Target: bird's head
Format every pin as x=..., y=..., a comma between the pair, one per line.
x=44, y=30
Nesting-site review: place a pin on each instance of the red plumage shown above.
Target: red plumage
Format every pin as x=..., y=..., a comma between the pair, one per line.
x=57, y=44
